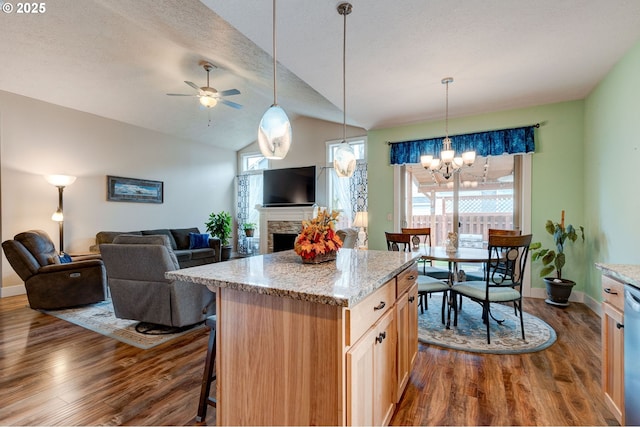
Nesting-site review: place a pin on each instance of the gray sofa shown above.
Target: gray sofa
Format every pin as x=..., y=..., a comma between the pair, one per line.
x=135, y=269
x=179, y=241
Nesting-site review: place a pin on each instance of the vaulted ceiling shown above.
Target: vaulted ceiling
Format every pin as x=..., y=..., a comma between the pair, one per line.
x=118, y=59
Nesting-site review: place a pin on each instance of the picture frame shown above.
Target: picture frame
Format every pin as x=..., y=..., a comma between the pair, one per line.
x=120, y=189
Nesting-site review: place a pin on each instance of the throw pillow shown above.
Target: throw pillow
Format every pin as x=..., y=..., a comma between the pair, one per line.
x=198, y=241
x=65, y=259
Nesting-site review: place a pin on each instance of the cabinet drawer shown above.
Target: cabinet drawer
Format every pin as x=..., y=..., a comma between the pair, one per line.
x=406, y=279
x=613, y=292
x=367, y=312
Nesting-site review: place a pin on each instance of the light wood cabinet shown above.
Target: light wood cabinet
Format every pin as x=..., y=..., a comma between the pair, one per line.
x=407, y=323
x=613, y=346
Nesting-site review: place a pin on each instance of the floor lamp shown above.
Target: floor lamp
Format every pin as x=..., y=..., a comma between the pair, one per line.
x=60, y=181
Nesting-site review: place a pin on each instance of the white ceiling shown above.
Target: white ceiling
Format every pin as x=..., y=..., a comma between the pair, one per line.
x=119, y=58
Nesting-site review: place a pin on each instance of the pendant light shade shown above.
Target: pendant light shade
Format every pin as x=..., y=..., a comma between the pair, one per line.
x=344, y=159
x=274, y=131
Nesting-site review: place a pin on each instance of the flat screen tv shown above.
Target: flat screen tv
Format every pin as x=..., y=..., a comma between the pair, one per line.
x=289, y=187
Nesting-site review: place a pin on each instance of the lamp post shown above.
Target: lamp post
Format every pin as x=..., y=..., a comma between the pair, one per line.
x=60, y=181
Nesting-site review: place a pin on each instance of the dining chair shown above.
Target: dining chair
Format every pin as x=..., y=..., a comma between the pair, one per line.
x=492, y=232
x=507, y=257
x=422, y=236
x=427, y=285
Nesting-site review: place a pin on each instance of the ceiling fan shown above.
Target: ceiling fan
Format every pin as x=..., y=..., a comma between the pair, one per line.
x=209, y=96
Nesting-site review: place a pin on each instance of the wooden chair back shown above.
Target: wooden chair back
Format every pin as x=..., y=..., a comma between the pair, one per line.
x=507, y=259
x=398, y=241
x=499, y=232
x=419, y=236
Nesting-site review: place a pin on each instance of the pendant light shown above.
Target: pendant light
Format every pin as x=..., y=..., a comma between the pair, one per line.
x=274, y=132
x=448, y=163
x=344, y=159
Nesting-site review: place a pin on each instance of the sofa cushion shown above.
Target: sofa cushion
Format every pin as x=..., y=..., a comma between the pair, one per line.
x=198, y=241
x=108, y=236
x=161, y=231
x=182, y=255
x=202, y=253
x=181, y=236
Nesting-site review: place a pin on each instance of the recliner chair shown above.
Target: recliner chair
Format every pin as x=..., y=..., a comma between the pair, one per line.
x=51, y=284
x=139, y=291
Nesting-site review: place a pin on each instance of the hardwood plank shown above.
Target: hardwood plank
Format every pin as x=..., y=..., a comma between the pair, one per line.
x=55, y=373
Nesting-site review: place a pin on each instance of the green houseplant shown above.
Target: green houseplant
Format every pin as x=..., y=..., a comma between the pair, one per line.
x=248, y=228
x=554, y=259
x=219, y=225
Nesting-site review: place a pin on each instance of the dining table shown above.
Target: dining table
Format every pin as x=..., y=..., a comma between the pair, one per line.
x=453, y=258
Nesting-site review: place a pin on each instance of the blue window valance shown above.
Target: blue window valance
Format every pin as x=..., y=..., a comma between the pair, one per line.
x=490, y=143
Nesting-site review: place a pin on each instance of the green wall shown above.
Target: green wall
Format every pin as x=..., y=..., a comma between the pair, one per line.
x=557, y=170
x=612, y=167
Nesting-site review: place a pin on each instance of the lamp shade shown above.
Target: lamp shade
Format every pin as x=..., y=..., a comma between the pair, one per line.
x=60, y=180
x=58, y=216
x=274, y=133
x=361, y=219
x=208, y=101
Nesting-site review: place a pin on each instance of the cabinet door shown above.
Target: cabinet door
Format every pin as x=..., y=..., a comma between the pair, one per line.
x=371, y=375
x=613, y=360
x=413, y=325
x=402, y=322
x=384, y=366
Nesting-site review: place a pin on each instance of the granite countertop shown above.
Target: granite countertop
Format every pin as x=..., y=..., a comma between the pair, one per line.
x=627, y=273
x=343, y=282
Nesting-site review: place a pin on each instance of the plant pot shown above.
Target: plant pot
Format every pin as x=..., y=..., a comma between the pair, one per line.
x=248, y=232
x=558, y=291
x=225, y=253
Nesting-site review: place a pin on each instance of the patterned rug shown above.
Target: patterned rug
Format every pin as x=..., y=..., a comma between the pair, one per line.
x=471, y=334
x=100, y=318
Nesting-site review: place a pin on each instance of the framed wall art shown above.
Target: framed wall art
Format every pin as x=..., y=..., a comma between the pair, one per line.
x=121, y=189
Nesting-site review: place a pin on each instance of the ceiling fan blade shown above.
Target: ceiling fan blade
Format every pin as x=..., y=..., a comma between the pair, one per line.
x=229, y=92
x=231, y=104
x=193, y=85
x=180, y=94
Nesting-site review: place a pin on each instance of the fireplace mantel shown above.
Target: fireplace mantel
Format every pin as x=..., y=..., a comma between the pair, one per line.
x=284, y=218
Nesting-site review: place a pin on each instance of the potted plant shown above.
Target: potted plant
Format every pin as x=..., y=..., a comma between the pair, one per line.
x=553, y=259
x=248, y=228
x=219, y=225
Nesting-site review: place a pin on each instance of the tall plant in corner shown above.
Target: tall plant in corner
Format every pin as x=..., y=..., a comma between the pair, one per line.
x=554, y=259
x=219, y=225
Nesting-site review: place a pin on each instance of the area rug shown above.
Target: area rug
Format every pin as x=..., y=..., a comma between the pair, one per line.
x=471, y=334
x=100, y=318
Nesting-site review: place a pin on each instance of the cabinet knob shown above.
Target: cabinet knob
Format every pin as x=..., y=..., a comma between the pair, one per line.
x=619, y=325
x=381, y=336
x=412, y=299
x=379, y=306
x=412, y=277
x=608, y=291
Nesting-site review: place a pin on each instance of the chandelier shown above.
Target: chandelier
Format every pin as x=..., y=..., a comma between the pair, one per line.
x=448, y=163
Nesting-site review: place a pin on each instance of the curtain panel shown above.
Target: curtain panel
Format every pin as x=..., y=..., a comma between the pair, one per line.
x=490, y=143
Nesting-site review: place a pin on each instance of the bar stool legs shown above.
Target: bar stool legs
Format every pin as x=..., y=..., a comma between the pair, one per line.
x=209, y=372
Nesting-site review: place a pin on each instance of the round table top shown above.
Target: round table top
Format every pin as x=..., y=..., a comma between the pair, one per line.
x=439, y=253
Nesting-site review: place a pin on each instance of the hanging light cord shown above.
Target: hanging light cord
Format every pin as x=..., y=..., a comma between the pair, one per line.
x=344, y=76
x=275, y=91
x=446, y=112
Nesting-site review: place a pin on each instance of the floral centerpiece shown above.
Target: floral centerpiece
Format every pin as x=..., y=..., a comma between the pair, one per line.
x=318, y=241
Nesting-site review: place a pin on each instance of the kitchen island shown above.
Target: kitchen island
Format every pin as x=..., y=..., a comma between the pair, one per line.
x=302, y=344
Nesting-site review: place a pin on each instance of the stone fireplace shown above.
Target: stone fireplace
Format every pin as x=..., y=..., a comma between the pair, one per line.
x=281, y=220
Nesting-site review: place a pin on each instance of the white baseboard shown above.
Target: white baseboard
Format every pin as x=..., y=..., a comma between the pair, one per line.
x=576, y=296
x=11, y=291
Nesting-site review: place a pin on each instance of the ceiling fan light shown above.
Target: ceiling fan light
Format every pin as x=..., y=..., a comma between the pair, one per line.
x=208, y=101
x=344, y=161
x=274, y=133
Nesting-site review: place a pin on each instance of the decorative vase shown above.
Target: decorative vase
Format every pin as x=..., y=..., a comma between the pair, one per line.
x=329, y=256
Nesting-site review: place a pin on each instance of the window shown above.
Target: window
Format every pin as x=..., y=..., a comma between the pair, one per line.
x=347, y=195
x=249, y=194
x=254, y=162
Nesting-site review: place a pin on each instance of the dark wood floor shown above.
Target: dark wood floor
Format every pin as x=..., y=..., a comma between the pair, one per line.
x=55, y=373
